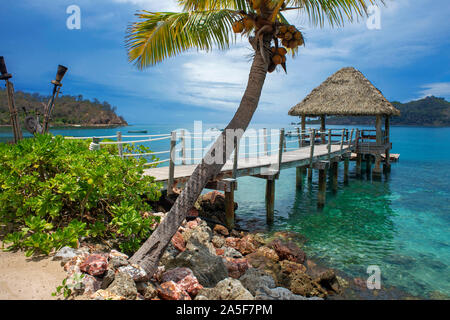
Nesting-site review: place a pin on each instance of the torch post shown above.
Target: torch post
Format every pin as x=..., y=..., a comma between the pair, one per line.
x=56, y=89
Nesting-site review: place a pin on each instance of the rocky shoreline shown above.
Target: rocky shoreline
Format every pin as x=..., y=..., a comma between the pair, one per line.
x=206, y=261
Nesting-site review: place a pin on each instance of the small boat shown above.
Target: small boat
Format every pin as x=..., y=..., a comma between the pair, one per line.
x=137, y=131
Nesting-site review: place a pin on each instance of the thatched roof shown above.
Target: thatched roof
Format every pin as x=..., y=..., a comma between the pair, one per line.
x=346, y=93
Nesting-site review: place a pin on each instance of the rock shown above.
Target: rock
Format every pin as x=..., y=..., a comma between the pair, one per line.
x=185, y=278
x=117, y=254
x=108, y=278
x=220, y=251
x=304, y=285
x=229, y=252
x=329, y=281
x=95, y=265
x=236, y=267
x=73, y=266
x=288, y=251
x=178, y=242
x=267, y=253
x=191, y=224
x=150, y=292
x=255, y=279
x=202, y=233
x=279, y=293
x=123, y=285
x=232, y=242
x=75, y=283
x=236, y=234
x=91, y=284
x=265, y=262
x=117, y=262
x=227, y=289
x=208, y=268
x=136, y=272
x=193, y=212
x=106, y=295
x=190, y=284
x=246, y=245
x=194, y=244
x=168, y=255
x=218, y=241
x=158, y=273
x=220, y=229
x=176, y=274
x=287, y=268
x=171, y=291
x=65, y=254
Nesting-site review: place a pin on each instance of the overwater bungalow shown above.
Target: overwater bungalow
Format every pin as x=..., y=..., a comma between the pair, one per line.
x=349, y=93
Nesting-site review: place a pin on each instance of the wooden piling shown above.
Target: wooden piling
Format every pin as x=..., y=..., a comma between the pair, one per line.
x=270, y=199
x=321, y=196
x=335, y=172
x=229, y=203
x=346, y=165
x=299, y=177
x=312, y=139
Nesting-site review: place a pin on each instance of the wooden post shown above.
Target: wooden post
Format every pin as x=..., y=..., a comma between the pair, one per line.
x=346, y=164
x=119, y=145
x=368, y=164
x=329, y=145
x=312, y=139
x=236, y=158
x=280, y=149
x=322, y=128
x=299, y=175
x=270, y=199
x=299, y=137
x=321, y=196
x=266, y=146
x=342, y=141
x=387, y=162
x=183, y=148
x=170, y=182
x=303, y=129
x=17, y=131
x=335, y=172
x=229, y=203
x=379, y=136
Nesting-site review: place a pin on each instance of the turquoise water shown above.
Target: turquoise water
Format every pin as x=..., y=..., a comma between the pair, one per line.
x=401, y=224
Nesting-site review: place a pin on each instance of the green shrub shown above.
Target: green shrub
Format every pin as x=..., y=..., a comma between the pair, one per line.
x=54, y=191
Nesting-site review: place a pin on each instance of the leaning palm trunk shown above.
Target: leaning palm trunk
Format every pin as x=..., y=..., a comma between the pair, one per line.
x=150, y=253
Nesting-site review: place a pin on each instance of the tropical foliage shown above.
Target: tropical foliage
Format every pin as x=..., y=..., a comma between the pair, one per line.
x=54, y=191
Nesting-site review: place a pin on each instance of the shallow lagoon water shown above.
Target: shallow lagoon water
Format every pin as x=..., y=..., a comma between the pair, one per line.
x=401, y=223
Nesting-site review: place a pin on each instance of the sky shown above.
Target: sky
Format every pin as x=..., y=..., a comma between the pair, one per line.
x=407, y=59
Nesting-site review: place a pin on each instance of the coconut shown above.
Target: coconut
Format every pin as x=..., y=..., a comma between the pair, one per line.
x=293, y=44
x=257, y=4
x=249, y=23
x=288, y=36
x=277, y=59
x=292, y=29
x=298, y=35
x=280, y=35
x=273, y=49
x=272, y=67
x=281, y=51
x=238, y=27
x=283, y=29
x=285, y=43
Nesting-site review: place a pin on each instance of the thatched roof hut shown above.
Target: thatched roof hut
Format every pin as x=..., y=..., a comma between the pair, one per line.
x=345, y=93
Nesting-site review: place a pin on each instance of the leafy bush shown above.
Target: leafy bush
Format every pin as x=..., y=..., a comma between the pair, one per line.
x=54, y=191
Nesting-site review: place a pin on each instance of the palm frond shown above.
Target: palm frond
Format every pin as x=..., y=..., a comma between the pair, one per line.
x=160, y=35
x=336, y=12
x=203, y=5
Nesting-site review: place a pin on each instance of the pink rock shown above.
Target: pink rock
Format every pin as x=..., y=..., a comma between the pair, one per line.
x=184, y=278
x=95, y=265
x=91, y=284
x=232, y=242
x=220, y=251
x=136, y=272
x=236, y=266
x=193, y=213
x=178, y=241
x=73, y=266
x=172, y=291
x=192, y=224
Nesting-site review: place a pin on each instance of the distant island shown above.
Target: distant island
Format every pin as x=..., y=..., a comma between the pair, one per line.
x=428, y=112
x=68, y=111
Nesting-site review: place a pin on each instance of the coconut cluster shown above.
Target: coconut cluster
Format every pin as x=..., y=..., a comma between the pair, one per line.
x=246, y=23
x=290, y=37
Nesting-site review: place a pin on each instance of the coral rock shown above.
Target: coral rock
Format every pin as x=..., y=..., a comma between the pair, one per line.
x=236, y=267
x=178, y=241
x=288, y=251
x=95, y=265
x=171, y=291
x=218, y=228
x=136, y=272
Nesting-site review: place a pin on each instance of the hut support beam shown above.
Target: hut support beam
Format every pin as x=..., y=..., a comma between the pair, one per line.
x=358, y=164
x=229, y=202
x=299, y=177
x=376, y=173
x=322, y=129
x=334, y=177
x=387, y=161
x=321, y=196
x=346, y=165
x=302, y=134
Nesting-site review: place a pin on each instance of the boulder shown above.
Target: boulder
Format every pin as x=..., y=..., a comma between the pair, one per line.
x=255, y=279
x=267, y=253
x=124, y=286
x=218, y=241
x=220, y=229
x=172, y=291
x=106, y=295
x=95, y=265
x=169, y=254
x=287, y=268
x=108, y=278
x=183, y=277
x=227, y=289
x=150, y=292
x=136, y=272
x=279, y=293
x=91, y=284
x=288, y=250
x=229, y=252
x=329, y=281
x=304, y=285
x=176, y=274
x=207, y=267
x=65, y=254
x=236, y=266
x=117, y=262
x=178, y=242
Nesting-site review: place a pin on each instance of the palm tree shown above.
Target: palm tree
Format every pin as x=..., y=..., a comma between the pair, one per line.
x=204, y=24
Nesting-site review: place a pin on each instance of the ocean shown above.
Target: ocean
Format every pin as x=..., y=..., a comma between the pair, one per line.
x=400, y=224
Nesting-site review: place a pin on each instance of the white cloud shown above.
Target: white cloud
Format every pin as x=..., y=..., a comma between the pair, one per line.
x=438, y=89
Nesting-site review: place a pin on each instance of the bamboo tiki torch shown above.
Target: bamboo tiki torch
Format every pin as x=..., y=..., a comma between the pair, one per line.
x=4, y=75
x=56, y=89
